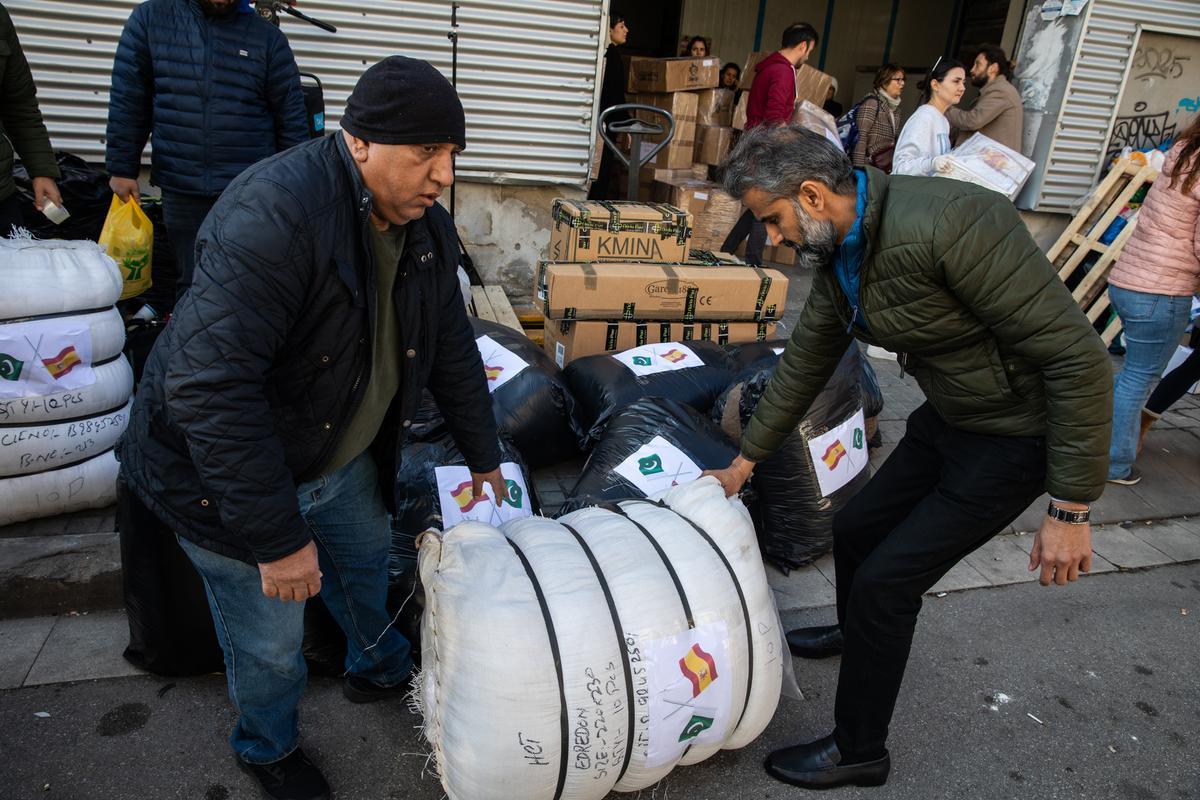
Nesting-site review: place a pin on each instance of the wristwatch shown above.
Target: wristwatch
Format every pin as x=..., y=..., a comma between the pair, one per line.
x=1069, y=517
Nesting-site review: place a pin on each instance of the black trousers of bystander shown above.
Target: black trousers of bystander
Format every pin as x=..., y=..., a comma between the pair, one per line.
x=754, y=232
x=940, y=495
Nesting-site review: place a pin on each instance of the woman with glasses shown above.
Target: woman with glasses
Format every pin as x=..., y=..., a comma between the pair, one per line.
x=878, y=119
x=926, y=135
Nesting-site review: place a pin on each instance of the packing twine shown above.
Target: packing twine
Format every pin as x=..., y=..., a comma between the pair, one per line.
x=386, y=628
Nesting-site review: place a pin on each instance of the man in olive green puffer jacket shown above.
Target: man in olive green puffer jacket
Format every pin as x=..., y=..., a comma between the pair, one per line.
x=22, y=130
x=1019, y=401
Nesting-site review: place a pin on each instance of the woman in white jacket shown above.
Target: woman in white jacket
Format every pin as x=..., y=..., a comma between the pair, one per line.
x=926, y=134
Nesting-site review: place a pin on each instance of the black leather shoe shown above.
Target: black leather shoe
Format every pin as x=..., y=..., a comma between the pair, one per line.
x=290, y=778
x=817, y=765
x=358, y=689
x=819, y=642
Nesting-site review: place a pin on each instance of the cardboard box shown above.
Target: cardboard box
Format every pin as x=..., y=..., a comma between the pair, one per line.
x=682, y=292
x=713, y=212
x=682, y=106
x=712, y=144
x=779, y=254
x=715, y=108
x=586, y=230
x=673, y=74
x=568, y=340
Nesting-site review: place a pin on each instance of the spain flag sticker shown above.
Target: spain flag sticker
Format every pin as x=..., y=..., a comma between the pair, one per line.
x=62, y=363
x=834, y=455
x=462, y=496
x=699, y=668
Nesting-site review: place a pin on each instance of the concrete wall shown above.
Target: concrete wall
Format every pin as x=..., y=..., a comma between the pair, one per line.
x=506, y=229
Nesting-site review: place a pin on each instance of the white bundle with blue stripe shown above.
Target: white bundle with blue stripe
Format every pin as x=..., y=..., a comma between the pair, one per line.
x=564, y=659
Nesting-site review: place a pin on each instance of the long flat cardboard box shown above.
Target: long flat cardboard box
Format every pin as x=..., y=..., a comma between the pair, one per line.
x=568, y=340
x=586, y=230
x=683, y=292
x=673, y=74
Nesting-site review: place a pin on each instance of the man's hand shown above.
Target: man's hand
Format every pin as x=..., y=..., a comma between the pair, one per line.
x=1062, y=550
x=45, y=189
x=125, y=188
x=295, y=577
x=734, y=476
x=493, y=479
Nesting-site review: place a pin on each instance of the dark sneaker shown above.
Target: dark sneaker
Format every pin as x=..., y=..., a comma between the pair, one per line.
x=1131, y=479
x=358, y=689
x=293, y=777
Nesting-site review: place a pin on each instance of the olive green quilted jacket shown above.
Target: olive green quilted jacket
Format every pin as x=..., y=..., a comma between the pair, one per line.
x=953, y=282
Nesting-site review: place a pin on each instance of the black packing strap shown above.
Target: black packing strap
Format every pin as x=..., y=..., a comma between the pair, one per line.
x=687, y=607
x=741, y=598
x=620, y=631
x=614, y=215
x=564, y=723
x=56, y=315
x=764, y=287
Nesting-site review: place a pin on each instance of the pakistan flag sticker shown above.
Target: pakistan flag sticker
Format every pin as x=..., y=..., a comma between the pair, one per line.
x=657, y=466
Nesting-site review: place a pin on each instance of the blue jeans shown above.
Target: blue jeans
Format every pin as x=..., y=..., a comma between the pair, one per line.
x=183, y=215
x=262, y=637
x=1154, y=324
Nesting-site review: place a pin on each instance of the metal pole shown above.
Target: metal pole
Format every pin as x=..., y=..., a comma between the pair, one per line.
x=452, y=35
x=825, y=35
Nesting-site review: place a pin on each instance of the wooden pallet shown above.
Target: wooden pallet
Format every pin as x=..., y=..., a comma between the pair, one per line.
x=1082, y=238
x=491, y=303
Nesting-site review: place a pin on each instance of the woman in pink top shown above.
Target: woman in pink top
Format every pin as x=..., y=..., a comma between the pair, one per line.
x=1151, y=289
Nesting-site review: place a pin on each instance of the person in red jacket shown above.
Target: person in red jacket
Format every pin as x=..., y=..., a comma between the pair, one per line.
x=772, y=99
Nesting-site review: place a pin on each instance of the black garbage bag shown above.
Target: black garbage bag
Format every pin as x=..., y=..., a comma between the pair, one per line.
x=85, y=195
x=793, y=515
x=170, y=628
x=418, y=505
x=534, y=407
x=649, y=446
x=872, y=395
x=754, y=356
x=693, y=372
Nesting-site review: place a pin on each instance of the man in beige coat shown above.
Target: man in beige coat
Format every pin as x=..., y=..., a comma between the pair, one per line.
x=997, y=113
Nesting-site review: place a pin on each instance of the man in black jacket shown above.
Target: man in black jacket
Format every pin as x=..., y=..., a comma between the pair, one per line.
x=273, y=405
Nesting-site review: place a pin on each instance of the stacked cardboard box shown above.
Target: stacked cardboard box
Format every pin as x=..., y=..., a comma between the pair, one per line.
x=622, y=274
x=713, y=211
x=811, y=85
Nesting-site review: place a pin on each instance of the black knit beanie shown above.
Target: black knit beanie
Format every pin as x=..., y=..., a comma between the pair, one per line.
x=405, y=100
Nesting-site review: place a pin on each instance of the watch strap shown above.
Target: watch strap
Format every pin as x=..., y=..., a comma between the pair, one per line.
x=1068, y=516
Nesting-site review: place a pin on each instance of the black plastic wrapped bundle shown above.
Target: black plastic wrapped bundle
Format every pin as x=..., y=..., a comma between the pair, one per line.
x=535, y=410
x=756, y=355
x=85, y=194
x=643, y=426
x=794, y=518
x=604, y=385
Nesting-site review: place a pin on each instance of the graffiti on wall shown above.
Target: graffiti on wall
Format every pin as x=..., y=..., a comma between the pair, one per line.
x=1160, y=98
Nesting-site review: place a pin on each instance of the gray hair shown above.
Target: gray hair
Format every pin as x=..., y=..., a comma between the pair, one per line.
x=776, y=159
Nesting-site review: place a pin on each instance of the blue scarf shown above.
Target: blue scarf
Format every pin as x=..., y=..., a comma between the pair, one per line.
x=848, y=258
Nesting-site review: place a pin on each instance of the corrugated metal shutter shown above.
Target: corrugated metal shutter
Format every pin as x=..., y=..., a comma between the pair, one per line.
x=1090, y=108
x=526, y=72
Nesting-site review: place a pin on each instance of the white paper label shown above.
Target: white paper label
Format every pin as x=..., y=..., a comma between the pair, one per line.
x=691, y=691
x=46, y=357
x=646, y=148
x=560, y=354
x=700, y=195
x=657, y=466
x=708, y=62
x=840, y=454
x=458, y=504
x=777, y=351
x=650, y=359
x=500, y=364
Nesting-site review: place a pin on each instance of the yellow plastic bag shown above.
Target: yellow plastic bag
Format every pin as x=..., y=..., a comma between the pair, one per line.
x=128, y=236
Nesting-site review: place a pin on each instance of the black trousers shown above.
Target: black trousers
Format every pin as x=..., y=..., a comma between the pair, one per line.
x=747, y=225
x=941, y=494
x=183, y=215
x=1175, y=383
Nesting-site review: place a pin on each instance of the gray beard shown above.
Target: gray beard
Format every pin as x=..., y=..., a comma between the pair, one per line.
x=820, y=240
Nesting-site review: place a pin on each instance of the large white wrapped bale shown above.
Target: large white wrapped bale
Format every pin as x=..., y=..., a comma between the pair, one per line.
x=52, y=277
x=568, y=658
x=87, y=484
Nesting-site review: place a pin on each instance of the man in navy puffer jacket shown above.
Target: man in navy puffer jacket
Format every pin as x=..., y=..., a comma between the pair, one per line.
x=217, y=89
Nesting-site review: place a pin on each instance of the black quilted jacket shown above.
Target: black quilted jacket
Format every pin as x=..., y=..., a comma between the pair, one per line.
x=261, y=368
